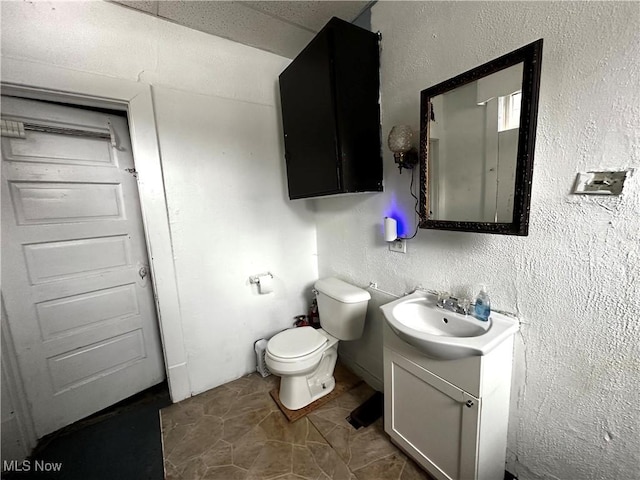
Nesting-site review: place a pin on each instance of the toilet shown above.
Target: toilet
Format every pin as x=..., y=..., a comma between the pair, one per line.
x=305, y=357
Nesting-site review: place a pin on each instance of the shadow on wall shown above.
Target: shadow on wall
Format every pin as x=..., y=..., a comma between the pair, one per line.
x=452, y=241
x=342, y=203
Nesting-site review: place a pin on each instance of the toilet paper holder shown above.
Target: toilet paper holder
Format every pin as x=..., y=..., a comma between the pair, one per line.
x=255, y=279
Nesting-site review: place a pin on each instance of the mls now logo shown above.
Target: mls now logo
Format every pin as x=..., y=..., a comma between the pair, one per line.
x=28, y=466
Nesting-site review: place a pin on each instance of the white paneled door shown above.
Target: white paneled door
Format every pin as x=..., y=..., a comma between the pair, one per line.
x=75, y=278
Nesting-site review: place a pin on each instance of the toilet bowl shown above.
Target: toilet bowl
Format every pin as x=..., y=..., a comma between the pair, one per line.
x=305, y=357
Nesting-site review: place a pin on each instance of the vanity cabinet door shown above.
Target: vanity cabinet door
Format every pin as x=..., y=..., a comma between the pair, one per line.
x=433, y=420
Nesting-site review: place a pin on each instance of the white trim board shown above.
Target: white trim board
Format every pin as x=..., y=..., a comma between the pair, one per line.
x=45, y=82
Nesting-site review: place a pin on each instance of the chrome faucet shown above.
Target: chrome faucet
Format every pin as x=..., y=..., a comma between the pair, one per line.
x=447, y=302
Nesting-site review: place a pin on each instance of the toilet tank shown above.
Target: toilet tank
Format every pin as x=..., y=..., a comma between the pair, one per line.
x=342, y=308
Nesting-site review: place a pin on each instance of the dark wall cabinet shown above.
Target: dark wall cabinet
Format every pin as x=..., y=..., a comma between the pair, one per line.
x=331, y=114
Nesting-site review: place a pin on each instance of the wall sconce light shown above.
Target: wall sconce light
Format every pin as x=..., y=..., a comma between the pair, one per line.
x=400, y=143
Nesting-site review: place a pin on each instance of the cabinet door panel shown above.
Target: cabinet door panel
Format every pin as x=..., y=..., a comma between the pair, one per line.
x=308, y=118
x=357, y=89
x=430, y=419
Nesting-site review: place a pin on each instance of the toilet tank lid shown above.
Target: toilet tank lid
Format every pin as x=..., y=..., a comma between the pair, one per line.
x=341, y=291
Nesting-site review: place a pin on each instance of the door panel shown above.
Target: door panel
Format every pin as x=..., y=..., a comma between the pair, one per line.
x=83, y=365
x=68, y=315
x=49, y=202
x=53, y=261
x=55, y=148
x=82, y=319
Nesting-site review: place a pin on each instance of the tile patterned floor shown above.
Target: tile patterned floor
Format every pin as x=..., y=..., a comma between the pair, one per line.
x=368, y=452
x=236, y=431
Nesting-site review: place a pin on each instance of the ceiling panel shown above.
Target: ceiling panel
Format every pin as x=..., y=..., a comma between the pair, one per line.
x=284, y=28
x=236, y=22
x=311, y=15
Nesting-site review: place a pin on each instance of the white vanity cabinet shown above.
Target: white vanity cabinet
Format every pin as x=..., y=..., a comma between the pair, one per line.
x=450, y=416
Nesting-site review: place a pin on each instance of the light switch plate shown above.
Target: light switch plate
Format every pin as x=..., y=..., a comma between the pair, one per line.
x=399, y=245
x=600, y=183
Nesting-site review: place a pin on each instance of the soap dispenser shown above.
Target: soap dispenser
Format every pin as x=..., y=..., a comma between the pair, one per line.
x=482, y=308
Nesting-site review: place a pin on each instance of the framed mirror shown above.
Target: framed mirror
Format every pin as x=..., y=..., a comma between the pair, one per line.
x=477, y=139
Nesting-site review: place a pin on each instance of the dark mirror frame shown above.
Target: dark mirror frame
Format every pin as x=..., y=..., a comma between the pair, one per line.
x=531, y=56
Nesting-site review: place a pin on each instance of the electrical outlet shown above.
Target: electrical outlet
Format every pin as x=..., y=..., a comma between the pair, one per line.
x=398, y=245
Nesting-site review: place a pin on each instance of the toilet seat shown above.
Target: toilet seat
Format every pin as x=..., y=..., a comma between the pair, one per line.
x=295, y=343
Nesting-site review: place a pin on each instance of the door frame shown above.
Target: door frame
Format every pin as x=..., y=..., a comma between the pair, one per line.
x=44, y=82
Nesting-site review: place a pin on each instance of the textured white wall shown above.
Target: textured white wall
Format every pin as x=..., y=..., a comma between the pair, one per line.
x=575, y=280
x=220, y=140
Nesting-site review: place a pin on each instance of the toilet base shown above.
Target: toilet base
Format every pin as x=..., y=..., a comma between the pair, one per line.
x=298, y=391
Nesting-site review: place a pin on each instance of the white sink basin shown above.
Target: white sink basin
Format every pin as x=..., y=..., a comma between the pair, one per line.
x=442, y=334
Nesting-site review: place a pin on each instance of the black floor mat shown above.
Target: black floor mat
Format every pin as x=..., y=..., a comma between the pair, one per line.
x=121, y=442
x=368, y=412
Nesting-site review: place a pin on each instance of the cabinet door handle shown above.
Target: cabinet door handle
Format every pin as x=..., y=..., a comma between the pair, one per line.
x=469, y=403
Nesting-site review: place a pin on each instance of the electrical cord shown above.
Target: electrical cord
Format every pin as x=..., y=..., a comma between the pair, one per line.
x=415, y=208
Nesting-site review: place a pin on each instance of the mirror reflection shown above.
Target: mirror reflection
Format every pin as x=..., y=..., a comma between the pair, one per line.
x=473, y=149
